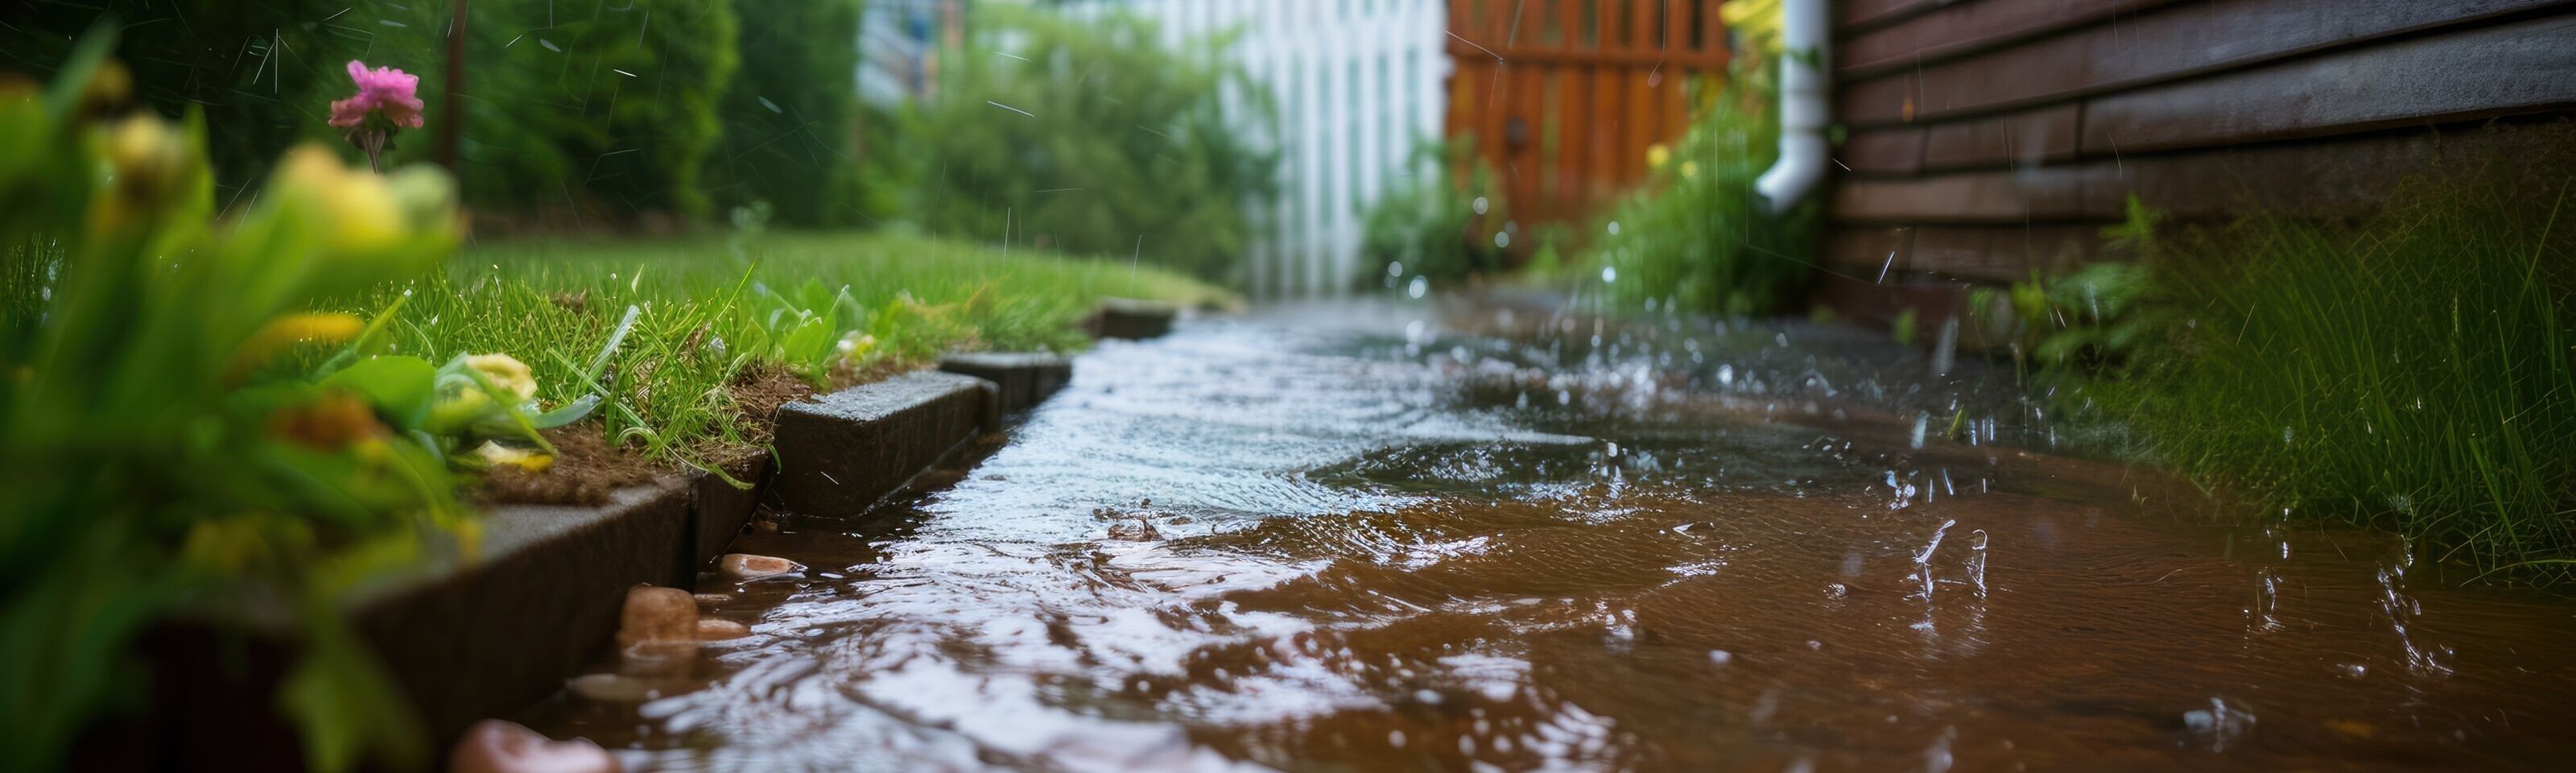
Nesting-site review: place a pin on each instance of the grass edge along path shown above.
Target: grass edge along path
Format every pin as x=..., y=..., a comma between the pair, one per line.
x=711, y=332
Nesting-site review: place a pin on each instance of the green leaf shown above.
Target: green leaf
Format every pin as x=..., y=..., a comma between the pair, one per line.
x=344, y=703
x=401, y=388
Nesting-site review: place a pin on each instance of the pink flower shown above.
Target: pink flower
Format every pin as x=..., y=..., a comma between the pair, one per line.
x=384, y=92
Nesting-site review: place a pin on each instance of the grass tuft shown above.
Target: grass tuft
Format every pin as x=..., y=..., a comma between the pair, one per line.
x=2412, y=370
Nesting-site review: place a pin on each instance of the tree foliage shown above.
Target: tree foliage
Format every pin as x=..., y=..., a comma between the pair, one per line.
x=791, y=116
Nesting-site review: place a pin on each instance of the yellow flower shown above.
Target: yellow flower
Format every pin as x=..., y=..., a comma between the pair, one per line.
x=856, y=345
x=288, y=331
x=357, y=208
x=1657, y=155
x=506, y=372
x=496, y=455
x=462, y=403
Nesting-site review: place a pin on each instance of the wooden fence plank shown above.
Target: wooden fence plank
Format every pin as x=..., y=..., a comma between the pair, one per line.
x=2042, y=135
x=2168, y=44
x=2054, y=193
x=2473, y=73
x=2315, y=178
x=1861, y=14
x=1970, y=27
x=1896, y=150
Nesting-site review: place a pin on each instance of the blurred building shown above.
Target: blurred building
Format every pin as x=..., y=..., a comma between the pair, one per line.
x=899, y=45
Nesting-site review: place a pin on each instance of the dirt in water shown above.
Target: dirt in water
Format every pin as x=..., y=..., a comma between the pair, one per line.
x=1300, y=542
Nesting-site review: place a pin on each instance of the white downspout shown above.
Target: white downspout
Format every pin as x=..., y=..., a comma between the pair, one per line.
x=1805, y=33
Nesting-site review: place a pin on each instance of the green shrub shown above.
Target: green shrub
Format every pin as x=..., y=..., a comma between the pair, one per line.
x=1426, y=225
x=1697, y=236
x=1090, y=139
x=792, y=113
x=626, y=96
x=2412, y=369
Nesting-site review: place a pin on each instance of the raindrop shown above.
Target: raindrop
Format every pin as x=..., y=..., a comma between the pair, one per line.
x=1419, y=287
x=1395, y=268
x=1609, y=274
x=1480, y=205
x=1502, y=239
x=1614, y=228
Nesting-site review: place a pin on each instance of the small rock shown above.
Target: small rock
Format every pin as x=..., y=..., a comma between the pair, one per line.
x=661, y=658
x=710, y=629
x=496, y=746
x=610, y=688
x=745, y=566
x=657, y=614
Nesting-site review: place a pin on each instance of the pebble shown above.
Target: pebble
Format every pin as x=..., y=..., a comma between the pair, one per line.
x=745, y=566
x=661, y=658
x=657, y=614
x=719, y=630
x=496, y=746
x=610, y=688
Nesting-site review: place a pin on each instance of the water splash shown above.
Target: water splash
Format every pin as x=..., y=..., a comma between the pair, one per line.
x=1977, y=561
x=1923, y=559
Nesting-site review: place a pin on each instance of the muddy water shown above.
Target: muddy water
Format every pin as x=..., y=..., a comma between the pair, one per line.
x=1345, y=540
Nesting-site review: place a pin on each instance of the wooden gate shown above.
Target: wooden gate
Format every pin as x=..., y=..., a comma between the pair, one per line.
x=1564, y=97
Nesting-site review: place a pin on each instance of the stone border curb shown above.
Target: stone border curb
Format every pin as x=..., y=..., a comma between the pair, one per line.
x=1025, y=379
x=469, y=642
x=842, y=453
x=1132, y=319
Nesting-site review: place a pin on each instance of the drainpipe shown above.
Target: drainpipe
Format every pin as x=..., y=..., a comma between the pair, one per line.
x=1805, y=32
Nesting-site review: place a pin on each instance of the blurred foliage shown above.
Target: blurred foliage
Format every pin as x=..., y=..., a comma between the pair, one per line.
x=1428, y=225
x=1697, y=236
x=1755, y=26
x=596, y=110
x=1090, y=138
x=161, y=445
x=791, y=116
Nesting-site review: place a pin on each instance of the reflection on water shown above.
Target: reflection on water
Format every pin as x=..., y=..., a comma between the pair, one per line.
x=1343, y=540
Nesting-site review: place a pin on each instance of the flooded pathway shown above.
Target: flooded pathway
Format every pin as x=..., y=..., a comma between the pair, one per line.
x=1341, y=539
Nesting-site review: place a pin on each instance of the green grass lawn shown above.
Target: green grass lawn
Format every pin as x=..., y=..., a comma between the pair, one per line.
x=713, y=313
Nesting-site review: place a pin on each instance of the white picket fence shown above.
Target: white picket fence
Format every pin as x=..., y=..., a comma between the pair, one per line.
x=1356, y=85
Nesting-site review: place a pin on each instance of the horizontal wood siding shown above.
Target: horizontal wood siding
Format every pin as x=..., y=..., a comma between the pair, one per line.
x=1988, y=140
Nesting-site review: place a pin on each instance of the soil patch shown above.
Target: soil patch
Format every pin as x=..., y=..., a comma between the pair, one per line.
x=586, y=470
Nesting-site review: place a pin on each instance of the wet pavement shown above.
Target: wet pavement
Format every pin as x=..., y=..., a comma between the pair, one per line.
x=1354, y=538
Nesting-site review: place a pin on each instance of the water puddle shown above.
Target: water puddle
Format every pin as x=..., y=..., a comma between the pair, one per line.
x=1343, y=539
